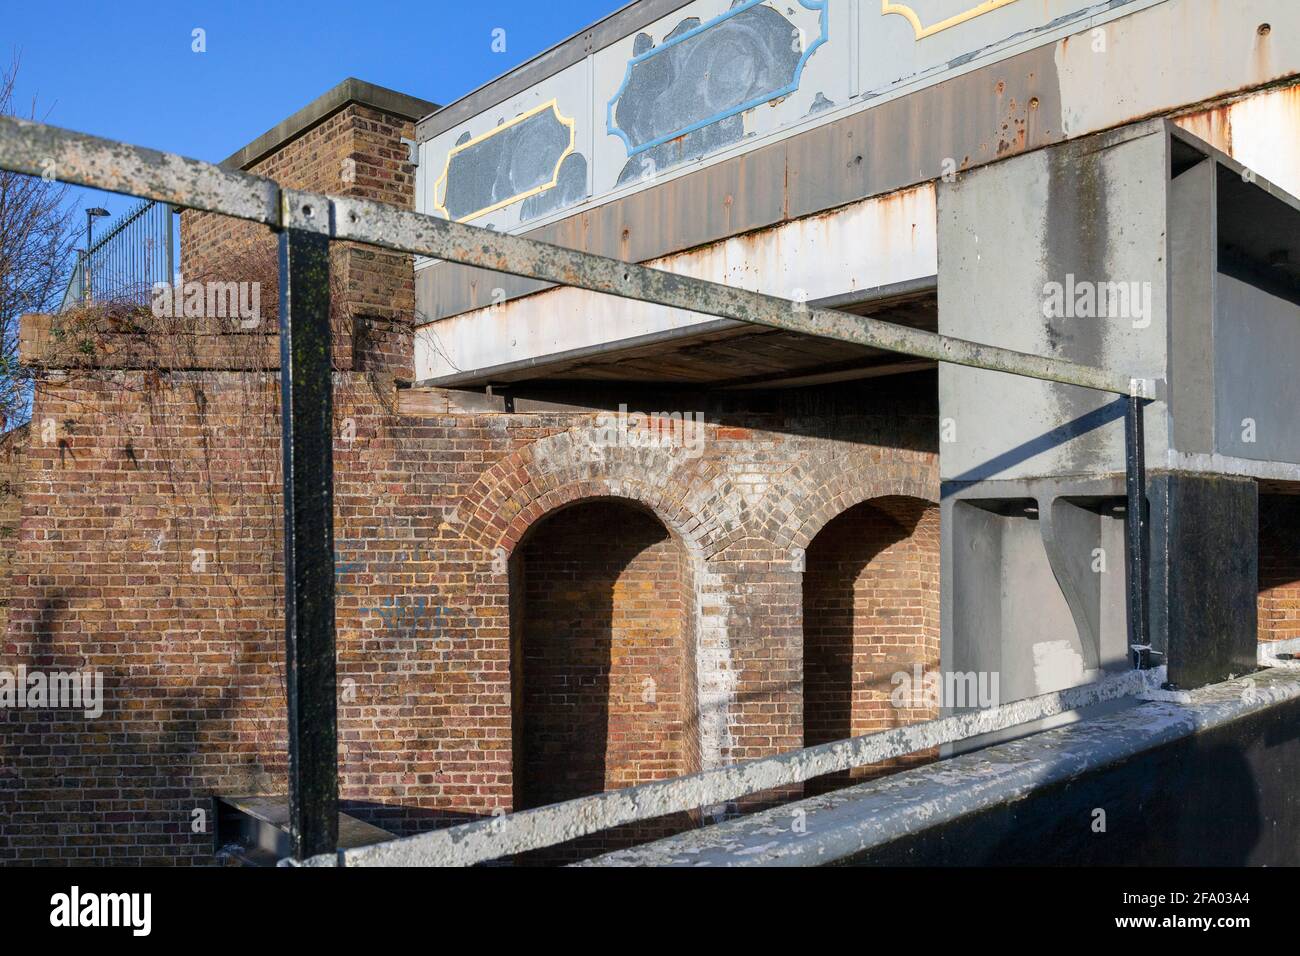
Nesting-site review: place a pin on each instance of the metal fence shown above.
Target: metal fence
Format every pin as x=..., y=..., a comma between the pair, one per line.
x=307, y=223
x=122, y=265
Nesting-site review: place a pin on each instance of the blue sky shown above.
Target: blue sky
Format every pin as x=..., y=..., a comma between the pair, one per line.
x=126, y=69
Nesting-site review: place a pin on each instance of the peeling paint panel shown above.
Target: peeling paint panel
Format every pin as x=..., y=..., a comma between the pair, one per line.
x=524, y=159
x=515, y=161
x=905, y=42
x=704, y=73
x=714, y=74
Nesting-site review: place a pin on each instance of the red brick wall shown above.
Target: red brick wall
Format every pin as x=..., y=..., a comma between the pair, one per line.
x=13, y=449
x=426, y=507
x=871, y=610
x=1279, y=567
x=149, y=553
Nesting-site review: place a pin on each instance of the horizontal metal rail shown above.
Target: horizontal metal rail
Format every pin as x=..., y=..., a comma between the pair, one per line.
x=38, y=149
x=83, y=160
x=557, y=823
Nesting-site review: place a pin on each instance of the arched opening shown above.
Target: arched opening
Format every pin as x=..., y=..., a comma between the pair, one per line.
x=602, y=662
x=870, y=611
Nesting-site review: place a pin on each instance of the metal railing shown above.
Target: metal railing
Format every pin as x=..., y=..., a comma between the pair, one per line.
x=122, y=265
x=307, y=222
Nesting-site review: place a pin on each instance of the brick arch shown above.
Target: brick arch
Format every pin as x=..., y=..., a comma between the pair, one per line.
x=636, y=493
x=568, y=467
x=809, y=495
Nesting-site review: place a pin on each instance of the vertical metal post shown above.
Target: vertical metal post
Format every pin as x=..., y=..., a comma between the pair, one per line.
x=1135, y=531
x=169, y=217
x=307, y=424
x=92, y=269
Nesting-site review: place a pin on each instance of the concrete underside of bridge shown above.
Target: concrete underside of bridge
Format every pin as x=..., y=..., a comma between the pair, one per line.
x=584, y=544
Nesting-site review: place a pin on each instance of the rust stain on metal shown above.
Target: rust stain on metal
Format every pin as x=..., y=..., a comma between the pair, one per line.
x=1013, y=135
x=1234, y=126
x=1213, y=125
x=1262, y=54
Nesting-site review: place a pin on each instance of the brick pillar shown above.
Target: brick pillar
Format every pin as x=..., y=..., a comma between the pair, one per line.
x=13, y=447
x=380, y=284
x=764, y=639
x=357, y=150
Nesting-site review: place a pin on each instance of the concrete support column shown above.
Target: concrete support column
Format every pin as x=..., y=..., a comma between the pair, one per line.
x=1204, y=575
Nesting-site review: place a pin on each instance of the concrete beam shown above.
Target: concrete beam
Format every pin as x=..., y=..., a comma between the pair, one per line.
x=1204, y=575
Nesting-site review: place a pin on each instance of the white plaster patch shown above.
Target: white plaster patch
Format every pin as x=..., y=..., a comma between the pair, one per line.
x=1167, y=696
x=1057, y=665
x=715, y=676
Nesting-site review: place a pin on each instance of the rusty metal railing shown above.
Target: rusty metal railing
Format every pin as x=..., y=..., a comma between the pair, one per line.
x=307, y=222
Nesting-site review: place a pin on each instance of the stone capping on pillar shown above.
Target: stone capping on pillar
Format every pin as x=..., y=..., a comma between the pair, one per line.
x=327, y=104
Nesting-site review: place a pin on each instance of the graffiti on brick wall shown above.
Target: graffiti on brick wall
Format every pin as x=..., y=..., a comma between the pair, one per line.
x=410, y=617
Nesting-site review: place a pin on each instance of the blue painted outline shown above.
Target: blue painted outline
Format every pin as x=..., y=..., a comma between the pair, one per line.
x=610, y=128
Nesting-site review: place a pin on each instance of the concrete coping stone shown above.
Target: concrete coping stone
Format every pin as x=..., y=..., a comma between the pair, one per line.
x=843, y=824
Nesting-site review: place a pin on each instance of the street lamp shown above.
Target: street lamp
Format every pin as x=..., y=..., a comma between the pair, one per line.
x=91, y=215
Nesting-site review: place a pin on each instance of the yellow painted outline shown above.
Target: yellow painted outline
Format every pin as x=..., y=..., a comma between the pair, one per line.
x=904, y=10
x=555, y=176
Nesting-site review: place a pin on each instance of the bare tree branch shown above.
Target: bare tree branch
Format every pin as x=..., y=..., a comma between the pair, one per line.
x=37, y=233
